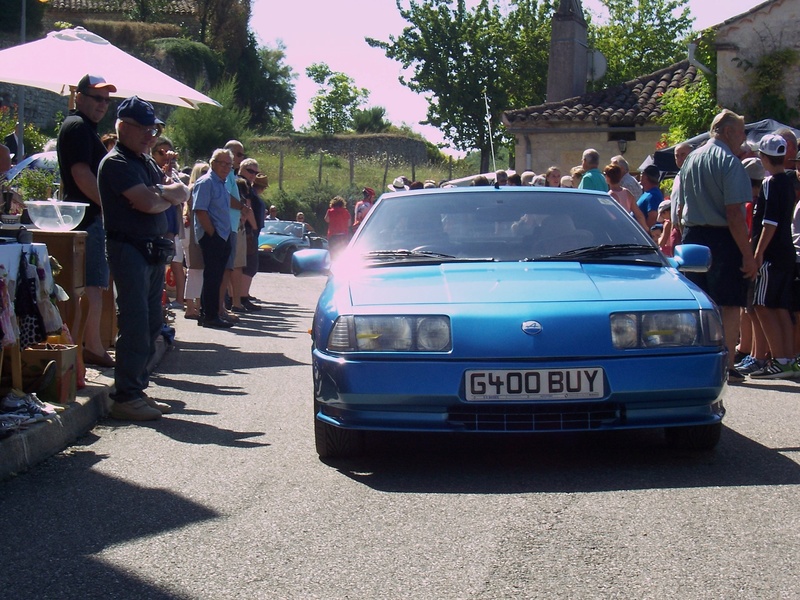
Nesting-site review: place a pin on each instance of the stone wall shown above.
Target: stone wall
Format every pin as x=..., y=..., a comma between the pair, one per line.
x=563, y=147
x=400, y=149
x=773, y=26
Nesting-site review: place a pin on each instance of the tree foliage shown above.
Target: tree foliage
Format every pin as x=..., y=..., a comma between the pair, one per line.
x=457, y=56
x=334, y=105
x=371, y=120
x=11, y=11
x=198, y=132
x=640, y=37
x=688, y=111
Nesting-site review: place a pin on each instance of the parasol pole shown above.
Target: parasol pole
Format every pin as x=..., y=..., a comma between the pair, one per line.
x=20, y=154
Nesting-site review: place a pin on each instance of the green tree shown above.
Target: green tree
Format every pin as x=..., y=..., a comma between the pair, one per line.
x=12, y=13
x=197, y=132
x=688, y=111
x=276, y=90
x=640, y=37
x=147, y=11
x=371, y=120
x=461, y=58
x=336, y=101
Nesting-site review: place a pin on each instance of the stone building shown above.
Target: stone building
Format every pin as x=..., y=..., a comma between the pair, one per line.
x=744, y=39
x=623, y=119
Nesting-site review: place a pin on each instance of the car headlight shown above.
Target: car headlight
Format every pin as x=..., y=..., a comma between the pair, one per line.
x=666, y=329
x=266, y=247
x=428, y=333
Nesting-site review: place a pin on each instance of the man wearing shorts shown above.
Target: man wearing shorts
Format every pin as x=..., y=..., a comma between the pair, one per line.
x=79, y=154
x=714, y=190
x=774, y=254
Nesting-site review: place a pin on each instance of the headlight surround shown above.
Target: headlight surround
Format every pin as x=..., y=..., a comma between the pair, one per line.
x=395, y=333
x=666, y=329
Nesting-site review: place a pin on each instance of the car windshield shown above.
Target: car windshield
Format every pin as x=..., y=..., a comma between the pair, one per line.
x=505, y=224
x=294, y=228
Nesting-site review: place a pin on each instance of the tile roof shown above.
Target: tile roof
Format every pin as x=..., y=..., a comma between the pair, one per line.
x=176, y=7
x=631, y=103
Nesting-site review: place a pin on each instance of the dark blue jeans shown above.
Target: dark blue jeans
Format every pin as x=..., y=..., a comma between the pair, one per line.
x=139, y=289
x=215, y=256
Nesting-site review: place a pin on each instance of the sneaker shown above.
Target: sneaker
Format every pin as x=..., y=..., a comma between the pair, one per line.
x=734, y=376
x=160, y=406
x=796, y=368
x=135, y=410
x=747, y=367
x=740, y=356
x=773, y=370
x=747, y=360
x=175, y=305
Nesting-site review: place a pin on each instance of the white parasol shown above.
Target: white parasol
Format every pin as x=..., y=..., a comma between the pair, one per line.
x=58, y=61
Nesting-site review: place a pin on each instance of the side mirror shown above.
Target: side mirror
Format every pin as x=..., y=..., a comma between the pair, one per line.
x=692, y=258
x=311, y=262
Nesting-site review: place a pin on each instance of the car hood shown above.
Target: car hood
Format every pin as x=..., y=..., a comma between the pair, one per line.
x=504, y=283
x=275, y=239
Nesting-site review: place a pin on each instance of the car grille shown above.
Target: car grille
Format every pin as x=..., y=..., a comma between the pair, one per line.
x=553, y=417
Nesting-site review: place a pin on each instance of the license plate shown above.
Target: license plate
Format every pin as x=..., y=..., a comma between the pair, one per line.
x=538, y=384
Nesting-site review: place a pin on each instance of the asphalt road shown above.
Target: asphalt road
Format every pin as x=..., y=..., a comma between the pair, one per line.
x=226, y=498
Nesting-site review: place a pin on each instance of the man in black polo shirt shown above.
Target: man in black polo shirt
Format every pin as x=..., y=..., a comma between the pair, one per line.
x=134, y=205
x=79, y=154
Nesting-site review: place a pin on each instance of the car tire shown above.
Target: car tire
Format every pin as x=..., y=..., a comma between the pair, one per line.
x=335, y=442
x=695, y=437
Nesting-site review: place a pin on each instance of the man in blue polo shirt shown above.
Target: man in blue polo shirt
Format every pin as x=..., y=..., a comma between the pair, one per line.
x=211, y=202
x=651, y=197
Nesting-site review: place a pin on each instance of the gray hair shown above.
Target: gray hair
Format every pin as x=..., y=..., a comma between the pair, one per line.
x=620, y=161
x=220, y=151
x=723, y=120
x=248, y=162
x=591, y=156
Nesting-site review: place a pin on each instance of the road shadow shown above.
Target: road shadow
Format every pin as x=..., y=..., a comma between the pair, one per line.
x=57, y=517
x=561, y=463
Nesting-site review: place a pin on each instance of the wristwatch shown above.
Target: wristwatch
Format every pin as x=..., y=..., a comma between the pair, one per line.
x=160, y=189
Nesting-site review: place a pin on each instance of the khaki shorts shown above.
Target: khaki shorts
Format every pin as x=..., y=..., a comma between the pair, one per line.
x=241, y=249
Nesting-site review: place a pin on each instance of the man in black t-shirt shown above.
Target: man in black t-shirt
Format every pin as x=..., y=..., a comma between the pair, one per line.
x=79, y=154
x=134, y=205
x=775, y=258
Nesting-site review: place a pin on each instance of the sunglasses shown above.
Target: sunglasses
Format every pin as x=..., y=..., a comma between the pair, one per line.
x=98, y=99
x=252, y=171
x=152, y=130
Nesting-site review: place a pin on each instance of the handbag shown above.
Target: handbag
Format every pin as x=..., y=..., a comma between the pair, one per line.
x=31, y=323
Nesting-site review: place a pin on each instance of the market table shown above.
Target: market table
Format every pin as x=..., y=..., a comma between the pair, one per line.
x=9, y=268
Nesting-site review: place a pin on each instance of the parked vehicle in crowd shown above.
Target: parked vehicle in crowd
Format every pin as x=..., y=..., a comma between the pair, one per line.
x=279, y=240
x=512, y=309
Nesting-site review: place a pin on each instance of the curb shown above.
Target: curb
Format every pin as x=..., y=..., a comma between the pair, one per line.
x=29, y=447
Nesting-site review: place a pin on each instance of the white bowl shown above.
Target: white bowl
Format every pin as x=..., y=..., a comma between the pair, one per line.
x=54, y=215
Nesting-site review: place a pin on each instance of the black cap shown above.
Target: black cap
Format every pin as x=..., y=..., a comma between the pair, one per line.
x=94, y=82
x=139, y=110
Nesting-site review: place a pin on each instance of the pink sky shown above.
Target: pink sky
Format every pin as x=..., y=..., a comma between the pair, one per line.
x=333, y=32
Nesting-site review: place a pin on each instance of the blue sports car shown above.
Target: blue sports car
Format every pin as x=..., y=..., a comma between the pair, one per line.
x=511, y=309
x=279, y=240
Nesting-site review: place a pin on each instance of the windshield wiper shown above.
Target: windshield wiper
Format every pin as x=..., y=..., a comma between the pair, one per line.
x=422, y=254
x=608, y=250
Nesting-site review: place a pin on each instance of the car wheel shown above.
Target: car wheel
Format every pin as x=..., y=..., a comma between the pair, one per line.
x=695, y=437
x=286, y=265
x=335, y=442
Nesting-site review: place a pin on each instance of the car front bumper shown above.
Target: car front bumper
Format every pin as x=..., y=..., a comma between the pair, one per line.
x=428, y=395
